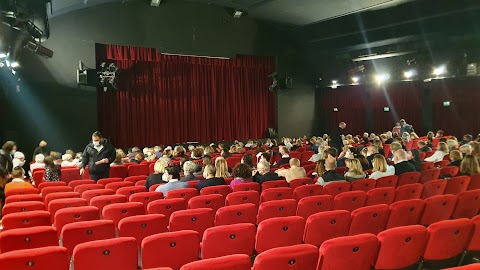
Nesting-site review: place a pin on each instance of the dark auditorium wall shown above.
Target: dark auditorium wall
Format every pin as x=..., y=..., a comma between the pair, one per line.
x=50, y=106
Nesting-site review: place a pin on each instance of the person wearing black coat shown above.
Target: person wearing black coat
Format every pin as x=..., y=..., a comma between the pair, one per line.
x=336, y=137
x=98, y=155
x=402, y=165
x=210, y=179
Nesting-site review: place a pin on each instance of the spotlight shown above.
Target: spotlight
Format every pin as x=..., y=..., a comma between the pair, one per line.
x=355, y=79
x=14, y=64
x=237, y=14
x=3, y=55
x=409, y=74
x=381, y=78
x=7, y=63
x=155, y=3
x=440, y=70
x=334, y=82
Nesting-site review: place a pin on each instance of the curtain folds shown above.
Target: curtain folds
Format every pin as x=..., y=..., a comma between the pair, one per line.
x=168, y=99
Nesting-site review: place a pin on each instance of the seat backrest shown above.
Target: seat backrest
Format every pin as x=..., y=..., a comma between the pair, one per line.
x=85, y=231
x=300, y=182
x=458, y=184
x=146, y=197
x=89, y=194
x=22, y=191
x=387, y=181
x=358, y=252
x=142, y=226
x=17, y=207
x=106, y=181
x=60, y=195
x=434, y=188
x=85, y=187
x=58, y=204
x=50, y=184
x=404, y=213
x=429, y=175
x=241, y=197
x=137, y=169
x=185, y=193
x=427, y=165
x=118, y=211
x=453, y=234
x=28, y=238
x=178, y=248
x=302, y=256
x=234, y=214
x=49, y=190
x=474, y=243
x=385, y=195
x=228, y=240
x=350, y=200
x=369, y=219
x=408, y=192
x=134, y=179
x=24, y=198
x=222, y=190
x=246, y=187
x=438, y=208
x=101, y=201
x=192, y=219
x=408, y=178
x=70, y=174
x=449, y=171
x=278, y=208
x=74, y=183
x=116, y=253
x=75, y=214
x=26, y=220
x=118, y=172
x=167, y=206
x=51, y=258
x=117, y=185
x=314, y=204
x=323, y=226
x=272, y=194
x=336, y=188
x=212, y=201
x=364, y=184
x=129, y=191
x=410, y=241
x=279, y=232
x=306, y=191
x=468, y=204
x=237, y=262
x=274, y=184
x=474, y=182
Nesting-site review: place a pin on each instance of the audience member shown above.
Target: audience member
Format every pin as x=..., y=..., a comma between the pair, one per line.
x=189, y=168
x=441, y=152
x=466, y=139
x=6, y=155
x=331, y=175
x=389, y=139
x=4, y=176
x=439, y=133
x=241, y=174
x=157, y=176
x=401, y=163
x=423, y=147
x=372, y=150
x=294, y=172
x=221, y=168
x=355, y=170
x=452, y=144
x=476, y=148
x=18, y=181
x=262, y=173
x=336, y=140
x=248, y=159
x=210, y=179
x=466, y=149
x=39, y=163
x=18, y=159
x=416, y=160
x=455, y=158
x=469, y=166
x=118, y=160
x=41, y=149
x=207, y=160
x=98, y=155
x=380, y=167
x=285, y=157
x=52, y=171
x=404, y=127
x=171, y=175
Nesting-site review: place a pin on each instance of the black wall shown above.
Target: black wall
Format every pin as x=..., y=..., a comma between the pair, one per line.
x=50, y=106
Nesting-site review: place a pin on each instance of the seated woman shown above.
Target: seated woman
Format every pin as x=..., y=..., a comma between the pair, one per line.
x=248, y=159
x=39, y=163
x=171, y=175
x=441, y=152
x=221, y=168
x=241, y=174
x=455, y=158
x=52, y=171
x=156, y=176
x=364, y=161
x=469, y=166
x=18, y=181
x=416, y=160
x=355, y=170
x=207, y=160
x=118, y=160
x=210, y=179
x=381, y=168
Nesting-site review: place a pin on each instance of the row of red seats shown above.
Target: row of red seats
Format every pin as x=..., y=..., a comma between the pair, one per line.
x=179, y=250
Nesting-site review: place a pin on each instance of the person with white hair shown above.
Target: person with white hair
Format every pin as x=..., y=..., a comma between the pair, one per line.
x=39, y=163
x=262, y=174
x=67, y=161
x=18, y=159
x=189, y=168
x=466, y=149
x=401, y=163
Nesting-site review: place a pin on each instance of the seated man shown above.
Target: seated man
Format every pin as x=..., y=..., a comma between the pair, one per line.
x=423, y=147
x=294, y=172
x=189, y=168
x=401, y=163
x=330, y=175
x=210, y=179
x=262, y=173
x=466, y=149
x=172, y=174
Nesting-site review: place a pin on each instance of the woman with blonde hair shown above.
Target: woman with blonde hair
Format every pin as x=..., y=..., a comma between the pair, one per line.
x=221, y=168
x=381, y=168
x=469, y=166
x=455, y=158
x=452, y=144
x=355, y=170
x=441, y=152
x=156, y=176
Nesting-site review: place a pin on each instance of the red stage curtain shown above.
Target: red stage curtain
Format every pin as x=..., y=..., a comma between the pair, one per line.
x=167, y=99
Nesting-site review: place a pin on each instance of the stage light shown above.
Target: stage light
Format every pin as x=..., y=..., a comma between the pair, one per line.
x=381, y=78
x=14, y=64
x=440, y=70
x=334, y=82
x=237, y=14
x=155, y=3
x=3, y=55
x=409, y=74
x=355, y=79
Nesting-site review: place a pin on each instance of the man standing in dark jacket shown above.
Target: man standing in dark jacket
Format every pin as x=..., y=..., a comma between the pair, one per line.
x=336, y=137
x=98, y=155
